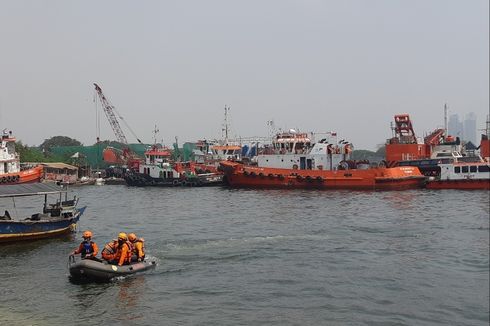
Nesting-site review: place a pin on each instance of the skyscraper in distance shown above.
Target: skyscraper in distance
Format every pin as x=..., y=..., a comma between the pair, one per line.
x=469, y=127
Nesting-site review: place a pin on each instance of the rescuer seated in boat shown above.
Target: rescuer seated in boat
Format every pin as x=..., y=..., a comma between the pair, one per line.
x=88, y=249
x=138, y=253
x=109, y=252
x=124, y=249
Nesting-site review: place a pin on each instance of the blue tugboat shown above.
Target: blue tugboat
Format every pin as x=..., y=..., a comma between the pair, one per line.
x=54, y=219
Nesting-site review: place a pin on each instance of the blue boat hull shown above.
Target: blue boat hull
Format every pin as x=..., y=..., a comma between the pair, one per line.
x=29, y=230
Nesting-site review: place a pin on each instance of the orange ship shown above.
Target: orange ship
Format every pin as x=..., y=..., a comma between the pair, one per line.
x=10, y=171
x=295, y=161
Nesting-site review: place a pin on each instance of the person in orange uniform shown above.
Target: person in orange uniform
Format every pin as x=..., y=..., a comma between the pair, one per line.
x=88, y=249
x=124, y=249
x=109, y=251
x=138, y=253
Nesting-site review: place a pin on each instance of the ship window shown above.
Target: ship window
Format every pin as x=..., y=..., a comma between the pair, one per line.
x=464, y=169
x=473, y=168
x=483, y=168
x=457, y=169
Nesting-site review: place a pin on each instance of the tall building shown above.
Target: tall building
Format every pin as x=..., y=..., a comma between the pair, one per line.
x=454, y=126
x=469, y=127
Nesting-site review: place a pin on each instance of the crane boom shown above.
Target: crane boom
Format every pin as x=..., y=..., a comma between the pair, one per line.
x=109, y=112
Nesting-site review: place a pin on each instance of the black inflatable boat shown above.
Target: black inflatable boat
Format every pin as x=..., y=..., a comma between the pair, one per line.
x=103, y=271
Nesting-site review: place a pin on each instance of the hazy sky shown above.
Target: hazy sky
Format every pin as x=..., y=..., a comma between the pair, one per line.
x=346, y=66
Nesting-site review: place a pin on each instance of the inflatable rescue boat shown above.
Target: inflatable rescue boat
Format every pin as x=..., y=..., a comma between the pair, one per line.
x=102, y=270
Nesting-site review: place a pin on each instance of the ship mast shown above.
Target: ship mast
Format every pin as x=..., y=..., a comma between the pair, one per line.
x=227, y=109
x=445, y=119
x=487, y=129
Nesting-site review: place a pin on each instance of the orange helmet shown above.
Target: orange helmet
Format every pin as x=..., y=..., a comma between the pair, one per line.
x=122, y=236
x=87, y=234
x=131, y=237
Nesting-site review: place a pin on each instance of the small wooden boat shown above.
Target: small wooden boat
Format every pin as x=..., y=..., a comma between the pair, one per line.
x=55, y=219
x=102, y=271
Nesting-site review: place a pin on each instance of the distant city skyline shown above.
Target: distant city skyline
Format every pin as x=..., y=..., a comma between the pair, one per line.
x=344, y=66
x=466, y=128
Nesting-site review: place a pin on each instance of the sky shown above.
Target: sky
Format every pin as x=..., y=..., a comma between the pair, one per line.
x=314, y=65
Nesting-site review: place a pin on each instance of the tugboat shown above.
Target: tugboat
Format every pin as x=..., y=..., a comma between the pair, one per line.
x=159, y=170
x=296, y=161
x=10, y=170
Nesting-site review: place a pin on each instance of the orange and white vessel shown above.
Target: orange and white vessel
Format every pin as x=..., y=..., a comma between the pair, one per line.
x=10, y=170
x=465, y=172
x=462, y=175
x=295, y=160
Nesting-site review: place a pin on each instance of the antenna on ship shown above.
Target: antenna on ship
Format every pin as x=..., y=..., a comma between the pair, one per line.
x=272, y=128
x=445, y=119
x=225, y=129
x=155, y=132
x=487, y=127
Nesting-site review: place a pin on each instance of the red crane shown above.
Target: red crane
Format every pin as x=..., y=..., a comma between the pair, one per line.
x=128, y=157
x=109, y=112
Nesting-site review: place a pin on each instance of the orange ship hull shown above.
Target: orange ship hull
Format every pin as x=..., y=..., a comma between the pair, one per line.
x=25, y=176
x=469, y=184
x=398, y=178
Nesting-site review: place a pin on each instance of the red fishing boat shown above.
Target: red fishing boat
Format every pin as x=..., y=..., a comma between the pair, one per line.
x=10, y=170
x=295, y=160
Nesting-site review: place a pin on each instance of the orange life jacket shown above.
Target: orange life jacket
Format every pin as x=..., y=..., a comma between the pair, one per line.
x=123, y=253
x=110, y=250
x=139, y=248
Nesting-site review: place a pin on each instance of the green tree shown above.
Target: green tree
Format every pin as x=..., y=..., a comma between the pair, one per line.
x=58, y=141
x=29, y=154
x=381, y=152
